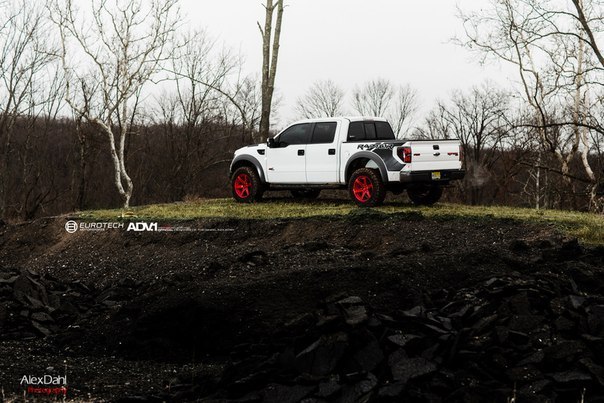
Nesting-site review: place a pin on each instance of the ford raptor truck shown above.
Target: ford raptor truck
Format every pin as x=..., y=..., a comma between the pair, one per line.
x=356, y=153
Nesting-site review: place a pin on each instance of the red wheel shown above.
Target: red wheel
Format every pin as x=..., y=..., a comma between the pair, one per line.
x=242, y=185
x=246, y=185
x=362, y=188
x=366, y=188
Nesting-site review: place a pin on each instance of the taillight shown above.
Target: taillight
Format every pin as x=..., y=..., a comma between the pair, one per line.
x=404, y=153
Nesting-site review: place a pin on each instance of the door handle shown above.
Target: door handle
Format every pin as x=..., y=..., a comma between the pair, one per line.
x=331, y=151
x=300, y=152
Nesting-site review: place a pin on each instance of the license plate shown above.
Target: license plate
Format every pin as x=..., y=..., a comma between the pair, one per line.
x=435, y=176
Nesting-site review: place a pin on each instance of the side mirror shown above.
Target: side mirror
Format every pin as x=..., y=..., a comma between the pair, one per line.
x=270, y=142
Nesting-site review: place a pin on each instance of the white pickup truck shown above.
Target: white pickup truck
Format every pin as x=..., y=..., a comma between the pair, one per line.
x=357, y=153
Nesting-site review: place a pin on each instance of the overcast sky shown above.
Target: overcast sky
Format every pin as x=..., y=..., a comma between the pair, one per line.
x=352, y=41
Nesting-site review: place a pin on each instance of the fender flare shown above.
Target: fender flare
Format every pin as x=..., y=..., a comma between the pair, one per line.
x=371, y=156
x=253, y=161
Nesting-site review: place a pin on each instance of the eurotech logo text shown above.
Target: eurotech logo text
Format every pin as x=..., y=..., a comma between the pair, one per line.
x=72, y=226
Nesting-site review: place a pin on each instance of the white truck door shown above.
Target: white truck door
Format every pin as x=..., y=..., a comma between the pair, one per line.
x=322, y=154
x=286, y=162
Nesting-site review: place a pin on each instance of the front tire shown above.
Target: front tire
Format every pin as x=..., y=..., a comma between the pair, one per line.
x=306, y=194
x=425, y=195
x=366, y=188
x=246, y=185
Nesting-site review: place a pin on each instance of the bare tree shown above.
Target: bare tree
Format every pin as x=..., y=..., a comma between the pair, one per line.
x=37, y=187
x=246, y=105
x=209, y=88
x=323, y=99
x=478, y=119
x=202, y=71
x=380, y=97
x=403, y=110
x=559, y=63
x=110, y=52
x=210, y=84
x=270, y=57
x=26, y=89
x=373, y=98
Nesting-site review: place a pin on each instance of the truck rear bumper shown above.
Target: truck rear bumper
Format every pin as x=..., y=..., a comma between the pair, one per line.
x=432, y=176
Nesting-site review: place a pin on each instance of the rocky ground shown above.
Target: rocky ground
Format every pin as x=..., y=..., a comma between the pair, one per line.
x=365, y=307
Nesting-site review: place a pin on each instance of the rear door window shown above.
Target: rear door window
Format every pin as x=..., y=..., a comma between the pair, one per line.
x=356, y=131
x=324, y=132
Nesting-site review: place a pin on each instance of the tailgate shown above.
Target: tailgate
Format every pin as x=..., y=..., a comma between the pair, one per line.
x=435, y=154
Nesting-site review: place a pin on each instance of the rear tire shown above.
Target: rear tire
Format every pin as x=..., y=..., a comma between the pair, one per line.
x=246, y=185
x=306, y=194
x=366, y=188
x=425, y=195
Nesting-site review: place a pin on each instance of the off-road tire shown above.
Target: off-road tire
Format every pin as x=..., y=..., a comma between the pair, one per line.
x=425, y=195
x=366, y=188
x=306, y=194
x=246, y=185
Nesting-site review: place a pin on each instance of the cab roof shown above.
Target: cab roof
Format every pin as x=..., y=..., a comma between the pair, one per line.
x=349, y=118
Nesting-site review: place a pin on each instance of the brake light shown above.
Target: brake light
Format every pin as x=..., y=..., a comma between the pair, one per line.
x=404, y=153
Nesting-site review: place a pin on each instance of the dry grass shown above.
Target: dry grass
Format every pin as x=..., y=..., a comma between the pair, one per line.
x=589, y=228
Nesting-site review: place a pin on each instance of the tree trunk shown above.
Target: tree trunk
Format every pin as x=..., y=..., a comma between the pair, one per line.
x=269, y=62
x=82, y=182
x=538, y=184
x=582, y=133
x=5, y=191
x=124, y=177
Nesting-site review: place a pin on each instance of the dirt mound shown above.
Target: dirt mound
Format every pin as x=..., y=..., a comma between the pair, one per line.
x=533, y=339
x=469, y=302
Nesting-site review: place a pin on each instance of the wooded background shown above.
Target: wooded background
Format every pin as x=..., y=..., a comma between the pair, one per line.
x=134, y=109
